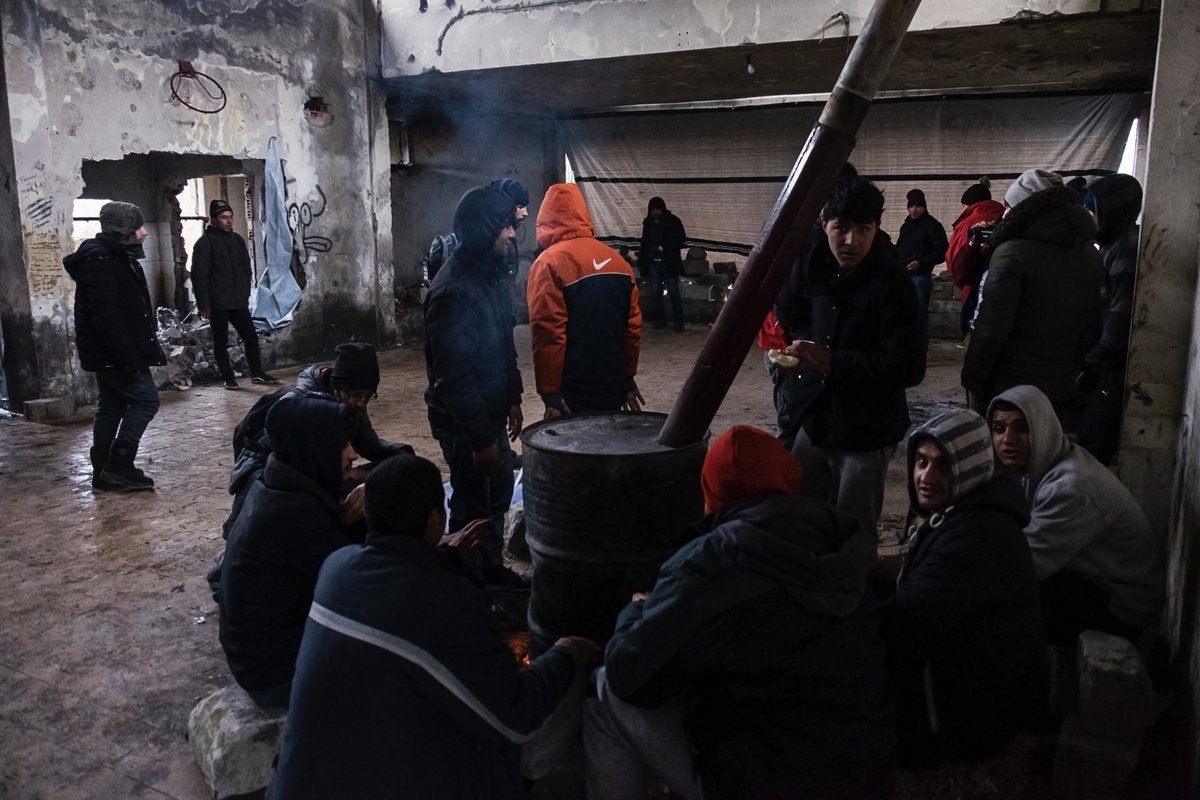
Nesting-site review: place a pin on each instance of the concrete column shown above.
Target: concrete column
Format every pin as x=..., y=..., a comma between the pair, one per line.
x=1160, y=453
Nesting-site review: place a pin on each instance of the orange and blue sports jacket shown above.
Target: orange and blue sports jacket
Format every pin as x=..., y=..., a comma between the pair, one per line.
x=584, y=319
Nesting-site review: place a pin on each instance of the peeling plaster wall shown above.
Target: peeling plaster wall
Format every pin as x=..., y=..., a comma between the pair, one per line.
x=477, y=34
x=91, y=81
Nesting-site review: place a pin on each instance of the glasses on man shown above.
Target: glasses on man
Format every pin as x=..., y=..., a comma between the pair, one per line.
x=360, y=397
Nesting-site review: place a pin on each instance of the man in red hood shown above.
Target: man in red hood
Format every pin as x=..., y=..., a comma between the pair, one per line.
x=584, y=319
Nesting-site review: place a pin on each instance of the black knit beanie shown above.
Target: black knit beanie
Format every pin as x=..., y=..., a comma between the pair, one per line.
x=977, y=193
x=916, y=198
x=355, y=368
x=218, y=207
x=512, y=188
x=121, y=221
x=480, y=216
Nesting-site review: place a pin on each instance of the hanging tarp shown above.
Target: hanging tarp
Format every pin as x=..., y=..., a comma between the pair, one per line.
x=277, y=294
x=721, y=171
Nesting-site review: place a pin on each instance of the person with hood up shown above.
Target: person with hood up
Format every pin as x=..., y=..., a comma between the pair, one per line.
x=753, y=668
x=403, y=687
x=660, y=261
x=1098, y=562
x=584, y=320
x=967, y=254
x=221, y=280
x=1115, y=201
x=287, y=528
x=1040, y=301
x=474, y=391
x=116, y=337
x=965, y=643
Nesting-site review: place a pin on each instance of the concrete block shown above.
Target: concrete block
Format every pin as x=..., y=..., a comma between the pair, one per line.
x=49, y=409
x=1089, y=767
x=235, y=742
x=1114, y=691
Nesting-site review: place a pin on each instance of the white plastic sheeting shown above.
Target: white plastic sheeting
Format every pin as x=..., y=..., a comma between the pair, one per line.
x=721, y=171
x=277, y=294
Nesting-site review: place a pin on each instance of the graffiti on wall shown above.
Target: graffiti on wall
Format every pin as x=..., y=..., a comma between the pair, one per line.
x=300, y=220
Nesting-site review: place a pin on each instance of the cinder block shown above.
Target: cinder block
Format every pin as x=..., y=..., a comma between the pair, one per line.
x=235, y=742
x=48, y=409
x=1088, y=767
x=1114, y=690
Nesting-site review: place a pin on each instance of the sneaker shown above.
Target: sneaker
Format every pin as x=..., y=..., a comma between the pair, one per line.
x=230, y=384
x=500, y=577
x=264, y=378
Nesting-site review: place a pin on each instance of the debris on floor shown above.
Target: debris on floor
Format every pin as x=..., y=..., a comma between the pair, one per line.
x=187, y=343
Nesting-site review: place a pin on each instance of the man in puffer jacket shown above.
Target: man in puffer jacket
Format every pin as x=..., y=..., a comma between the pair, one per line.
x=1040, y=301
x=584, y=320
x=964, y=639
x=1099, y=564
x=757, y=649
x=116, y=337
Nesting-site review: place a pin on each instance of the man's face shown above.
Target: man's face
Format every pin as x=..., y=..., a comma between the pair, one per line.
x=1010, y=438
x=932, y=481
x=522, y=213
x=656, y=213
x=506, y=235
x=850, y=241
x=916, y=211
x=141, y=234
x=225, y=221
x=348, y=458
x=355, y=398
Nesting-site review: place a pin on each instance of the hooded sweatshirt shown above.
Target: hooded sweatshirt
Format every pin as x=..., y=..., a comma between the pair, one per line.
x=1118, y=200
x=763, y=627
x=1083, y=519
x=584, y=320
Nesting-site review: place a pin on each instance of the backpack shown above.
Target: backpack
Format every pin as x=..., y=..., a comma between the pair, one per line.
x=440, y=250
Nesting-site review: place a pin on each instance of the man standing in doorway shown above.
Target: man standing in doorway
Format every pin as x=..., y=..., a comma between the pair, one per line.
x=116, y=338
x=221, y=281
x=659, y=259
x=474, y=392
x=921, y=247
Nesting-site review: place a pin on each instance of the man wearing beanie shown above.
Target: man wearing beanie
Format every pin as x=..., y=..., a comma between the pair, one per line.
x=967, y=256
x=474, y=391
x=116, y=338
x=920, y=247
x=753, y=667
x=221, y=280
x=964, y=638
x=1039, y=304
x=353, y=380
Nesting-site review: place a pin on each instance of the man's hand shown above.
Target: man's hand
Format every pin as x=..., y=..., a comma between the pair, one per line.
x=554, y=412
x=352, y=506
x=516, y=420
x=913, y=265
x=203, y=312
x=634, y=400
x=811, y=356
x=488, y=459
x=467, y=540
x=584, y=652
x=639, y=597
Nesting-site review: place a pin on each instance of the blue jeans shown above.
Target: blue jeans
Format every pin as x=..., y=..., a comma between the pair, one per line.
x=923, y=283
x=477, y=494
x=128, y=401
x=658, y=280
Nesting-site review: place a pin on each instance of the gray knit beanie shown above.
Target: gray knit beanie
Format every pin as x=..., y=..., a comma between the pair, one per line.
x=1030, y=183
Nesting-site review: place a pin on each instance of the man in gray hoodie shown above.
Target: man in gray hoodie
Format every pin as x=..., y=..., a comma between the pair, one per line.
x=1098, y=563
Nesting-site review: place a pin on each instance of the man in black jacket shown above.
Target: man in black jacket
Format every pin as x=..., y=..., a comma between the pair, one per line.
x=221, y=281
x=921, y=246
x=753, y=668
x=474, y=392
x=853, y=312
x=116, y=337
x=659, y=259
x=287, y=528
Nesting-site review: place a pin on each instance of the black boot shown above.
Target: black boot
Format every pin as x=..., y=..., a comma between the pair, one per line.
x=99, y=457
x=119, y=469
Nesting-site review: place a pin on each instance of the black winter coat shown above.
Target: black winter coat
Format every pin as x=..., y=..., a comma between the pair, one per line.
x=114, y=320
x=667, y=231
x=764, y=628
x=868, y=318
x=287, y=528
x=923, y=240
x=966, y=606
x=221, y=271
x=404, y=688
x=470, y=358
x=1041, y=301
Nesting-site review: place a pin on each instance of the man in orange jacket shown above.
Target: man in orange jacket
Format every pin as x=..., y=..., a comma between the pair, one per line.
x=584, y=319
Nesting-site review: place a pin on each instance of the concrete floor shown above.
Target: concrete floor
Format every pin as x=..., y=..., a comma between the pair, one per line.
x=110, y=635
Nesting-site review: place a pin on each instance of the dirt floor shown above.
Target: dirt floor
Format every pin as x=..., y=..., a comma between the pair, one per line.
x=110, y=635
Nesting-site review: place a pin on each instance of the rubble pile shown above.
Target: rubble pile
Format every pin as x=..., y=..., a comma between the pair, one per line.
x=187, y=343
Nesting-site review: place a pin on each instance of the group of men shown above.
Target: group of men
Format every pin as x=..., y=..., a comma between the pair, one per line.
x=775, y=656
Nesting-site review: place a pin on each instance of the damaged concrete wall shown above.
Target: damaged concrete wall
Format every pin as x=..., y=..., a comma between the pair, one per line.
x=92, y=82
